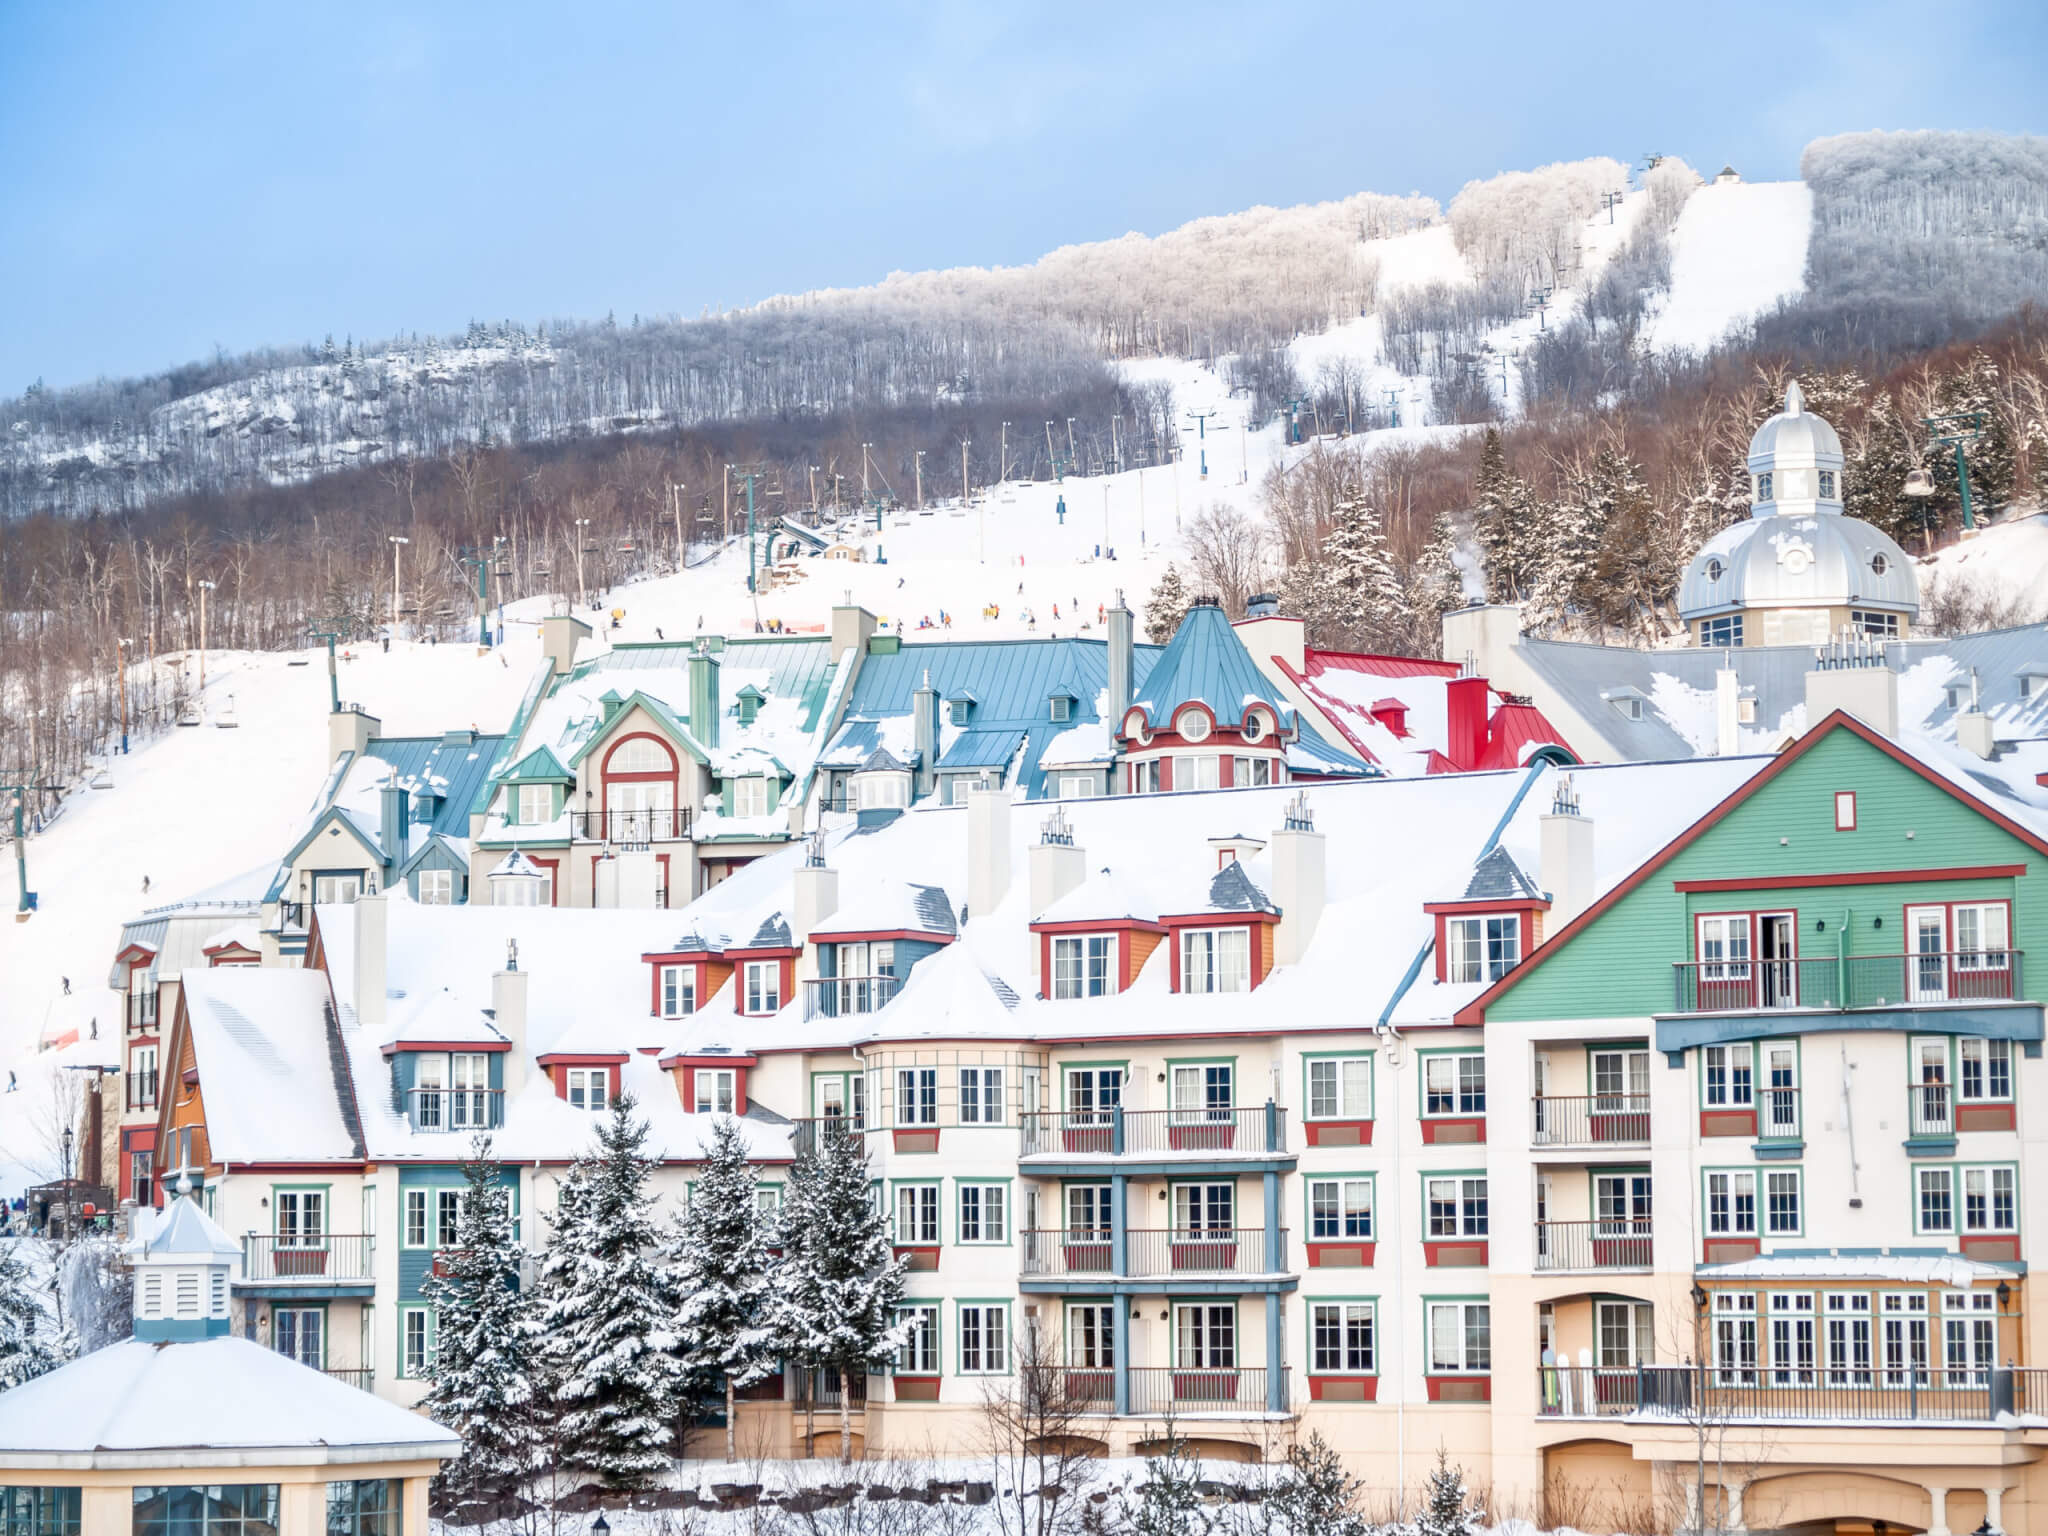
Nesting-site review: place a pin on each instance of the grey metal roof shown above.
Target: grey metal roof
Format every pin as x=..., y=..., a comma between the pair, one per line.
x=935, y=909
x=1231, y=890
x=981, y=749
x=1497, y=877
x=1812, y=560
x=772, y=934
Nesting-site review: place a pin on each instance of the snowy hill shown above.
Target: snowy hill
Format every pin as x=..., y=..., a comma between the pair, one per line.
x=1739, y=250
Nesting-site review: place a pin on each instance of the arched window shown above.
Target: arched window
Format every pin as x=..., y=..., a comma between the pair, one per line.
x=639, y=754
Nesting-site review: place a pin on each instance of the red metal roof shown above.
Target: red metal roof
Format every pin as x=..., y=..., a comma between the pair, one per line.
x=1378, y=666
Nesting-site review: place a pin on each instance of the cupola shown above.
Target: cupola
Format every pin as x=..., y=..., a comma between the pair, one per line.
x=182, y=1270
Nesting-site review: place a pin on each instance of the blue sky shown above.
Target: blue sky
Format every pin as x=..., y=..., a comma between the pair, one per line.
x=181, y=177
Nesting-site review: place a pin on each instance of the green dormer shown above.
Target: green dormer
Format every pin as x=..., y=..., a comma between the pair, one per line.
x=749, y=699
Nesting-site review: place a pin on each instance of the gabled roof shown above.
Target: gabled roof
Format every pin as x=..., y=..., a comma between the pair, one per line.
x=334, y=815
x=1475, y=1011
x=540, y=766
x=617, y=708
x=1497, y=877
x=446, y=848
x=260, y=1040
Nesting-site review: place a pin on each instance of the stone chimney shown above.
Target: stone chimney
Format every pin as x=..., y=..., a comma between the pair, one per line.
x=1058, y=863
x=508, y=1011
x=1299, y=882
x=988, y=848
x=924, y=735
x=1120, y=663
x=704, y=705
x=1727, y=712
x=560, y=634
x=372, y=917
x=351, y=729
x=1565, y=856
x=1854, y=675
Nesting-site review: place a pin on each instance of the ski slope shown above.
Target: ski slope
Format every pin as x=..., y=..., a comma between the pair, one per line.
x=1739, y=250
x=2007, y=561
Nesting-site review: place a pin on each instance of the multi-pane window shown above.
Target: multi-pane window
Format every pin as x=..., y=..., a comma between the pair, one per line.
x=1091, y=1335
x=1872, y=621
x=1984, y=1069
x=1454, y=1085
x=1457, y=1206
x=717, y=1090
x=984, y=1213
x=1215, y=960
x=1202, y=1091
x=1340, y=1088
x=588, y=1087
x=1847, y=1337
x=1084, y=966
x=1204, y=1207
x=1903, y=1337
x=750, y=796
x=1482, y=948
x=1983, y=935
x=1093, y=1092
x=417, y=1232
x=1624, y=1333
x=1197, y=771
x=1205, y=1336
x=981, y=1095
x=1341, y=1337
x=215, y=1509
x=437, y=887
x=919, y=1354
x=1339, y=1209
x=301, y=1218
x=141, y=999
x=1792, y=1338
x=370, y=1507
x=329, y=890
x=1735, y=1337
x=764, y=986
x=1969, y=1336
x=40, y=1511
x=1781, y=1202
x=1460, y=1337
x=416, y=1340
x=1253, y=772
x=917, y=1096
x=1969, y=1200
x=1730, y=1072
x=1088, y=1210
x=917, y=1214
x=678, y=990
x=1827, y=485
x=536, y=804
x=1731, y=1203
x=1937, y=1200
x=1723, y=632
x=300, y=1334
x=984, y=1338
x=447, y=1215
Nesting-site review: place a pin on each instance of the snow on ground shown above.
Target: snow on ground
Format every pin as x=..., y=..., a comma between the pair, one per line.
x=2008, y=560
x=1738, y=249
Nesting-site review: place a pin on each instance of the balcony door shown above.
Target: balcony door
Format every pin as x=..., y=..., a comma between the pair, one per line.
x=300, y=1332
x=1781, y=1090
x=1779, y=972
x=1927, y=965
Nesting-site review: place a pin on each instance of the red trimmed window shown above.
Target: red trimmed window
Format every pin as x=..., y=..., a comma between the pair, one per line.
x=641, y=782
x=1845, y=810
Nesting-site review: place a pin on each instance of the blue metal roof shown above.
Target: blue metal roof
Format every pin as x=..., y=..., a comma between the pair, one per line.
x=798, y=667
x=464, y=766
x=982, y=749
x=1205, y=662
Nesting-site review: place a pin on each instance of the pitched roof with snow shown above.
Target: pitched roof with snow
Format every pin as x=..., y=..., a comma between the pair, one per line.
x=260, y=1039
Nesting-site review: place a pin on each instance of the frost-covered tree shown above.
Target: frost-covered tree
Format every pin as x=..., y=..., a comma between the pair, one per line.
x=839, y=1281
x=1572, y=527
x=1166, y=607
x=616, y=1376
x=486, y=1369
x=1448, y=1511
x=30, y=1340
x=1317, y=1497
x=721, y=1272
x=1436, y=585
x=1366, y=595
x=1973, y=391
x=1504, y=523
x=1169, y=1502
x=1635, y=573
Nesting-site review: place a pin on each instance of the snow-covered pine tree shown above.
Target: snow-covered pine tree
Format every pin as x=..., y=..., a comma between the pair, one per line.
x=1369, y=605
x=1169, y=1501
x=1880, y=454
x=616, y=1377
x=1166, y=607
x=1636, y=571
x=839, y=1282
x=1447, y=1513
x=1573, y=526
x=1435, y=586
x=1318, y=1497
x=1977, y=387
x=720, y=1270
x=30, y=1343
x=1505, y=524
x=486, y=1366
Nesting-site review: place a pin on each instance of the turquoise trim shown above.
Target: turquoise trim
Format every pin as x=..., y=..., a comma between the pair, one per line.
x=1778, y=1151
x=180, y=1330
x=1930, y=1146
x=2010, y=1021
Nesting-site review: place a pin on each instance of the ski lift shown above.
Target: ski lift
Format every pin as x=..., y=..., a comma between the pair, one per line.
x=541, y=568
x=1919, y=483
x=626, y=547
x=189, y=715
x=224, y=719
x=299, y=661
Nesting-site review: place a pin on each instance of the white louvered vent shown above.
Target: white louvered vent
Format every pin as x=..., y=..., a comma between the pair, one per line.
x=188, y=1293
x=152, y=1294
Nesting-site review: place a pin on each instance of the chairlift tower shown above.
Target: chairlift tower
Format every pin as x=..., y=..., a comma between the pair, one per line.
x=1610, y=201
x=748, y=475
x=333, y=681
x=479, y=560
x=1955, y=430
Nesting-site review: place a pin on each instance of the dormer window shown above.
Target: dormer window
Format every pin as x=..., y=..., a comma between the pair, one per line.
x=749, y=701
x=588, y=1088
x=534, y=804
x=750, y=795
x=1482, y=948
x=1215, y=960
x=1084, y=965
x=1062, y=709
x=717, y=1090
x=1192, y=724
x=1630, y=705
x=678, y=991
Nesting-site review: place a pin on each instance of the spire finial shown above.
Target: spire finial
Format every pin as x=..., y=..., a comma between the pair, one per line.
x=1795, y=399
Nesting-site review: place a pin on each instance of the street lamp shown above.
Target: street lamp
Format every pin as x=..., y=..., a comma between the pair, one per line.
x=204, y=588
x=398, y=543
x=67, y=1154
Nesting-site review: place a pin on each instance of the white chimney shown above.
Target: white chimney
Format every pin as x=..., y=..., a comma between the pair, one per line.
x=1565, y=857
x=1727, y=712
x=1853, y=675
x=1974, y=734
x=508, y=1005
x=817, y=895
x=372, y=918
x=988, y=848
x=1058, y=863
x=1299, y=882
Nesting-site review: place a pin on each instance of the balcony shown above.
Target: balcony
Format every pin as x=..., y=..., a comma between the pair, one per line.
x=432, y=1110
x=359, y=1376
x=291, y=916
x=1592, y=1245
x=1193, y=1391
x=806, y=1134
x=142, y=1090
x=1162, y=1254
x=630, y=829
x=1120, y=1132
x=1599, y=1120
x=835, y=997
x=819, y=1390
x=1705, y=1394
x=1861, y=981
x=311, y=1261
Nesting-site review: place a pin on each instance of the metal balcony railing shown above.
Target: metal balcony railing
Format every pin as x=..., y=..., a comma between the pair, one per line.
x=1163, y=1389
x=819, y=1390
x=362, y=1376
x=142, y=1090
x=1596, y=1120
x=1947, y=976
x=630, y=829
x=1120, y=1132
x=291, y=916
x=1930, y=1109
x=455, y=1109
x=1152, y=1253
x=1587, y=1391
x=1613, y=1244
x=1777, y=1114
x=808, y=1133
x=330, y=1256
x=834, y=997
x=1724, y=986
x=1866, y=1393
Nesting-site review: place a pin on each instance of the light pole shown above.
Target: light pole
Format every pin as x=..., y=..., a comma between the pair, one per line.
x=1072, y=456
x=398, y=543
x=814, y=490
x=1003, y=457
x=917, y=469
x=204, y=588
x=121, y=678
x=581, y=524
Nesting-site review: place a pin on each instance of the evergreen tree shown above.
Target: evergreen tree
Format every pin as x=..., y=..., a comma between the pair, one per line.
x=486, y=1362
x=1436, y=585
x=614, y=1369
x=1882, y=453
x=1318, y=1498
x=1976, y=389
x=1169, y=1501
x=1573, y=526
x=721, y=1272
x=30, y=1342
x=1446, y=1513
x=1367, y=601
x=1506, y=522
x=1167, y=606
x=1636, y=571
x=839, y=1281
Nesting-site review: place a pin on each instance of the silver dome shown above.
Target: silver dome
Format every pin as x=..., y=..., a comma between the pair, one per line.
x=1786, y=561
x=1795, y=439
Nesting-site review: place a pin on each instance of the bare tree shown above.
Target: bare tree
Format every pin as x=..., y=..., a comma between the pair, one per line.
x=1227, y=548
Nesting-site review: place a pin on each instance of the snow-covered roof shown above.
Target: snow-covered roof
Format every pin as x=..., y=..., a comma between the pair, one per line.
x=259, y=1037
x=1106, y=894
x=1926, y=1268
x=183, y=1230
x=219, y=1402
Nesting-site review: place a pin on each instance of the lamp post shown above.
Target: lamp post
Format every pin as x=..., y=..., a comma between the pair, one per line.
x=398, y=543
x=204, y=588
x=121, y=678
x=581, y=524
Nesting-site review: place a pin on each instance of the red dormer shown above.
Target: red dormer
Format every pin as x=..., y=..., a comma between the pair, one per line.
x=710, y=1082
x=1487, y=931
x=1227, y=945
x=683, y=980
x=1392, y=714
x=1096, y=938
x=587, y=1079
x=231, y=951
